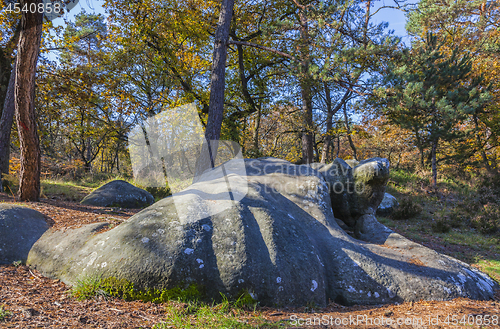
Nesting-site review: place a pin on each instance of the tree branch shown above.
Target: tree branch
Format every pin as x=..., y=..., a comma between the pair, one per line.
x=249, y=44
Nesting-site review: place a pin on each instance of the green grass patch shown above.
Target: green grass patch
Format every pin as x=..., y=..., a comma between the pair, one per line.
x=185, y=307
x=68, y=191
x=473, y=240
x=490, y=267
x=225, y=315
x=402, y=177
x=4, y=313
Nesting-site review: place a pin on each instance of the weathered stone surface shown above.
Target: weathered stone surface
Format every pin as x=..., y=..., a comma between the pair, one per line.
x=20, y=228
x=352, y=163
x=119, y=193
x=387, y=206
x=281, y=242
x=357, y=191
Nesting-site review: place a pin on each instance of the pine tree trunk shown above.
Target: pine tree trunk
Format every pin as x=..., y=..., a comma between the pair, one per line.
x=329, y=124
x=348, y=128
x=420, y=149
x=307, y=137
x=434, y=164
x=27, y=58
x=306, y=92
x=6, y=120
x=217, y=87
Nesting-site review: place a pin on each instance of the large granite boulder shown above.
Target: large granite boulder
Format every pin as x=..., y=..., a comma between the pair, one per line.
x=388, y=205
x=119, y=193
x=276, y=237
x=20, y=228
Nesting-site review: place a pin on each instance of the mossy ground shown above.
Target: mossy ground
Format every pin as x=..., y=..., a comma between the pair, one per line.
x=185, y=307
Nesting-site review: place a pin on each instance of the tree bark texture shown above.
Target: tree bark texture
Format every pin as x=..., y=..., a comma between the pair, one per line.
x=329, y=124
x=434, y=164
x=348, y=129
x=217, y=87
x=27, y=58
x=306, y=92
x=6, y=119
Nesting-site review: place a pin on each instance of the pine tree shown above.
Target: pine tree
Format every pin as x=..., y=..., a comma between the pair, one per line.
x=430, y=92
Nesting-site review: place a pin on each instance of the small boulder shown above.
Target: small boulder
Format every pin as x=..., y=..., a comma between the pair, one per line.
x=387, y=206
x=119, y=193
x=20, y=228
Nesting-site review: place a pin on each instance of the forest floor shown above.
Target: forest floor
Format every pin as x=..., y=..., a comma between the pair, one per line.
x=29, y=300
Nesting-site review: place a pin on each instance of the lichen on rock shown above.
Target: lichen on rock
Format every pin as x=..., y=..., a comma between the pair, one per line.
x=280, y=241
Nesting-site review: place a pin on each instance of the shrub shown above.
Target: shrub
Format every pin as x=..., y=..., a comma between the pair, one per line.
x=440, y=226
x=406, y=209
x=487, y=221
x=457, y=218
x=87, y=288
x=158, y=192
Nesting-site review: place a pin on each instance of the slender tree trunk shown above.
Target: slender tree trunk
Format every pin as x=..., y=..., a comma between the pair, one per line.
x=420, y=149
x=217, y=87
x=348, y=128
x=27, y=58
x=243, y=136
x=307, y=137
x=6, y=62
x=316, y=151
x=338, y=145
x=484, y=157
x=88, y=156
x=256, y=131
x=434, y=164
x=6, y=120
x=306, y=92
x=329, y=124
x=117, y=159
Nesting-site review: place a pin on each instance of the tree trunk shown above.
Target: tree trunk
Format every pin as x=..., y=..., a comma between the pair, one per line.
x=217, y=87
x=6, y=120
x=420, y=149
x=256, y=132
x=6, y=63
x=434, y=164
x=88, y=156
x=27, y=58
x=316, y=151
x=348, y=128
x=306, y=92
x=329, y=125
x=338, y=145
x=484, y=157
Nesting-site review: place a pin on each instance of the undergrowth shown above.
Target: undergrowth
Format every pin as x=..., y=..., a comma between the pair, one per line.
x=90, y=287
x=4, y=314
x=226, y=314
x=185, y=307
x=463, y=215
